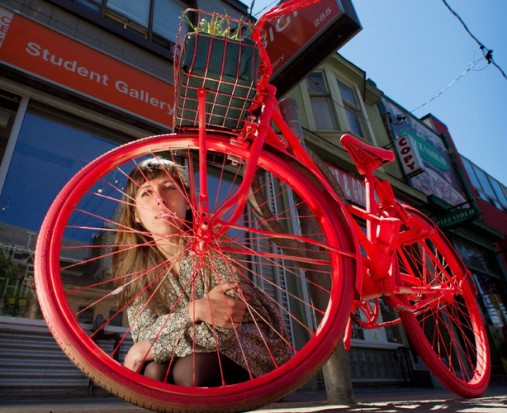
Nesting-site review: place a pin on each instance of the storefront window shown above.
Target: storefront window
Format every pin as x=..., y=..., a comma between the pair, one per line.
x=49, y=149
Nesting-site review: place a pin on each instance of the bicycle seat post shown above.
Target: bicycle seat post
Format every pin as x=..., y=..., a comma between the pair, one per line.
x=371, y=204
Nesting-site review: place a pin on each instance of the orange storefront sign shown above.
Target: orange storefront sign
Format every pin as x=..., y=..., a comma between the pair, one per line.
x=47, y=54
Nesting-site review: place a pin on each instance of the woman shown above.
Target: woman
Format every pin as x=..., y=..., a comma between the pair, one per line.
x=194, y=318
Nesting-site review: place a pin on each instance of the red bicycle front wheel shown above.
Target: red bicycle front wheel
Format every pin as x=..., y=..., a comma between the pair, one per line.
x=448, y=332
x=291, y=240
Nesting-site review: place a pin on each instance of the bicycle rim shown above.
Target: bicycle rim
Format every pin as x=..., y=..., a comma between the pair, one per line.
x=448, y=333
x=301, y=265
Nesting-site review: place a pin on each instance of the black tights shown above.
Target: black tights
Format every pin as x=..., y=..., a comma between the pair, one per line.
x=206, y=371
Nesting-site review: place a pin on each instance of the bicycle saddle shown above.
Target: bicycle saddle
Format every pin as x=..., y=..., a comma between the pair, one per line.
x=366, y=157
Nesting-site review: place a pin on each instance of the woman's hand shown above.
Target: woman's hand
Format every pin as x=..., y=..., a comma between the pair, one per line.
x=217, y=308
x=137, y=355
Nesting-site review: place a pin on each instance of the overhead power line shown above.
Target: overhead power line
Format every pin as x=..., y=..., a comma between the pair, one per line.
x=488, y=53
x=468, y=69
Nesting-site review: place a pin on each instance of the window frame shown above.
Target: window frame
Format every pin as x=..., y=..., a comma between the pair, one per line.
x=120, y=25
x=325, y=96
x=488, y=188
x=355, y=108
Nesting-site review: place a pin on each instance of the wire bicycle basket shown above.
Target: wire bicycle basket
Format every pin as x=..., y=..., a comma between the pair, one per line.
x=214, y=52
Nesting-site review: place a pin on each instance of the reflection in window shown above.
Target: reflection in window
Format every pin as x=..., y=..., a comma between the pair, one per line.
x=50, y=149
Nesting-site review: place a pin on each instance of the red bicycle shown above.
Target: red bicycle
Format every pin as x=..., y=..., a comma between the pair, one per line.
x=258, y=200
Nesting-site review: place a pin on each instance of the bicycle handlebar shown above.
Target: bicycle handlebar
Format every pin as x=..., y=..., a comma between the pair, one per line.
x=265, y=69
x=278, y=11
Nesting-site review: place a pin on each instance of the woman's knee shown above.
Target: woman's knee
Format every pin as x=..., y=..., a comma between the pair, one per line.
x=205, y=370
x=156, y=371
x=197, y=370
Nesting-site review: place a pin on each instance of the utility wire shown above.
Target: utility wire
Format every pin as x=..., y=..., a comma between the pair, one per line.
x=488, y=53
x=251, y=9
x=468, y=69
x=266, y=7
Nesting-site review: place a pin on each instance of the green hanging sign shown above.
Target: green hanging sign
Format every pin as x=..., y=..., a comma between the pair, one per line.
x=456, y=217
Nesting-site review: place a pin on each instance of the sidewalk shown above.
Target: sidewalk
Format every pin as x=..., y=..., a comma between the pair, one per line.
x=396, y=400
x=378, y=400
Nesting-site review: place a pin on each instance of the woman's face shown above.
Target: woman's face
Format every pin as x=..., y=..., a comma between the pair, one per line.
x=161, y=206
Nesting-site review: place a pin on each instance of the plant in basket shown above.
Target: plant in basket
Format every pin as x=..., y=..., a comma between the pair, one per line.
x=217, y=55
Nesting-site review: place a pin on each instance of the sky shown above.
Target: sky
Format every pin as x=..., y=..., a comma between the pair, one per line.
x=422, y=57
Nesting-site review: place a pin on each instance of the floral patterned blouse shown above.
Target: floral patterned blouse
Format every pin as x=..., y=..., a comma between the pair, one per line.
x=256, y=346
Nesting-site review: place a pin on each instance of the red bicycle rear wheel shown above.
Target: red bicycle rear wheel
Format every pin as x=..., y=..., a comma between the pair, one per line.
x=449, y=332
x=307, y=273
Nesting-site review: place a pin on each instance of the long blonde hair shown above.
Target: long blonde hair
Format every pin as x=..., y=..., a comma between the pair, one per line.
x=137, y=263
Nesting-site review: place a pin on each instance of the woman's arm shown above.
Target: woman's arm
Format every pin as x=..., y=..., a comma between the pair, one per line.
x=138, y=354
x=217, y=308
x=200, y=325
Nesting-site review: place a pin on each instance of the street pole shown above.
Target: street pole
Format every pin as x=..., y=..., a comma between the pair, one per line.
x=336, y=370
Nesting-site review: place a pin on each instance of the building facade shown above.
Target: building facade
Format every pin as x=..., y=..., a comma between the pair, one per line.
x=79, y=77
x=428, y=173
x=485, y=251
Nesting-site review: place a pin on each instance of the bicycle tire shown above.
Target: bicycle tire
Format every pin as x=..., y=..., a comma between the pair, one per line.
x=449, y=334
x=69, y=228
